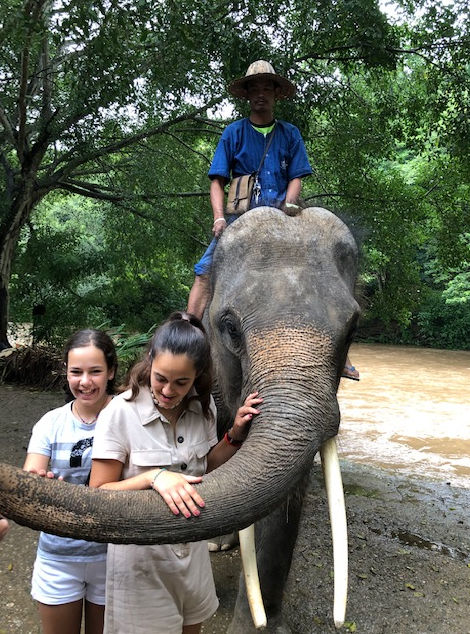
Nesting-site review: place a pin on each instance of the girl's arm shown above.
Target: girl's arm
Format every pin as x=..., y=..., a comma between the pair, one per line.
x=37, y=463
x=224, y=450
x=106, y=474
x=175, y=488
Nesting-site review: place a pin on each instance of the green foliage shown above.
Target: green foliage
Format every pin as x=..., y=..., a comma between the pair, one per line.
x=129, y=347
x=458, y=290
x=111, y=104
x=444, y=324
x=389, y=154
x=54, y=259
x=76, y=262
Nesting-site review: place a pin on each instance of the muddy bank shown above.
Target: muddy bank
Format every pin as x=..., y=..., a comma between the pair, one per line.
x=409, y=558
x=409, y=548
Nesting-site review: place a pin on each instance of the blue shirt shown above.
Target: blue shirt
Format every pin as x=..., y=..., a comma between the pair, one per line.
x=240, y=150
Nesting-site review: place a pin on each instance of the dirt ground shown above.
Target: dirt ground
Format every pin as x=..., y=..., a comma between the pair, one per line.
x=409, y=549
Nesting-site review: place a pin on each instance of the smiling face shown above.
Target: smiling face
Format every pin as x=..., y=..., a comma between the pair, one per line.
x=171, y=378
x=88, y=375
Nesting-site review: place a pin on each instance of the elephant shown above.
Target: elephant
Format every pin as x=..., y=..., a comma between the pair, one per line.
x=281, y=318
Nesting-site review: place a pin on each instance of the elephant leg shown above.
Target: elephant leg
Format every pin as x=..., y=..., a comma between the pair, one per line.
x=276, y=536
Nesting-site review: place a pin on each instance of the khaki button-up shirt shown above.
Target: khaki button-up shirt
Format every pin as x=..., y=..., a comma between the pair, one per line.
x=139, y=436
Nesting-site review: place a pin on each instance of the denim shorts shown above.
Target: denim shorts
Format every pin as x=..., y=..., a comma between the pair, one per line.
x=203, y=267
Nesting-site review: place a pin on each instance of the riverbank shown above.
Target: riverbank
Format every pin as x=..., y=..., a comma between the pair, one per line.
x=409, y=558
x=409, y=549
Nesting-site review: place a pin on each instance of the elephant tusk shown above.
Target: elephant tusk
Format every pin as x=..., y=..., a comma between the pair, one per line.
x=250, y=570
x=336, y=506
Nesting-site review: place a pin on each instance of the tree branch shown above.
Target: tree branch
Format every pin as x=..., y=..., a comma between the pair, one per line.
x=102, y=192
x=123, y=203
x=128, y=141
x=9, y=174
x=187, y=146
x=357, y=197
x=417, y=50
x=46, y=82
x=212, y=123
x=8, y=127
x=34, y=9
x=22, y=104
x=161, y=222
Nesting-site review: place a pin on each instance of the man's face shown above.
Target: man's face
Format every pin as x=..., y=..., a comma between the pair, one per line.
x=261, y=95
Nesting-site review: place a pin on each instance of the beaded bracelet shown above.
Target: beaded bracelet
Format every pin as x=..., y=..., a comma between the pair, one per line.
x=156, y=476
x=217, y=220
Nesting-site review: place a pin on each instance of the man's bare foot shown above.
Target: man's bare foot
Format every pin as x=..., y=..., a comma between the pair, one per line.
x=350, y=372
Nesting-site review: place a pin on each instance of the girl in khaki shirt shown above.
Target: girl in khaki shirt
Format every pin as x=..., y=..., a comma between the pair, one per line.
x=161, y=434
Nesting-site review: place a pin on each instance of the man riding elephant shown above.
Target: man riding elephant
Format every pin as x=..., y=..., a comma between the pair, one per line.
x=271, y=148
x=240, y=151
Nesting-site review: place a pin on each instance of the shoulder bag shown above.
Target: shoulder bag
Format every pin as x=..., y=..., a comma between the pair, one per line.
x=242, y=187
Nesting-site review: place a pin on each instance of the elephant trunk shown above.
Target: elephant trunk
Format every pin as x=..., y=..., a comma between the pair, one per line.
x=278, y=451
x=235, y=496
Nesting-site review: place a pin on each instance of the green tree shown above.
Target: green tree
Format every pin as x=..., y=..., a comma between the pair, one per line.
x=82, y=83
x=78, y=264
x=85, y=84
x=390, y=146
x=110, y=100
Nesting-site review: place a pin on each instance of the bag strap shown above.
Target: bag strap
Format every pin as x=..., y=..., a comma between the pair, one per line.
x=237, y=192
x=266, y=149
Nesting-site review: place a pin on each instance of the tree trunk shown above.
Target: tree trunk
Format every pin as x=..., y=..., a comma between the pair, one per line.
x=4, y=305
x=13, y=221
x=7, y=249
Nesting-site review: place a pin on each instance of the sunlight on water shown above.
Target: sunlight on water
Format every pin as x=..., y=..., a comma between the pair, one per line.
x=409, y=413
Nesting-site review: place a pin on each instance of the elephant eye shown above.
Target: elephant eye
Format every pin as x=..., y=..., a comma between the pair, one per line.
x=230, y=330
x=229, y=324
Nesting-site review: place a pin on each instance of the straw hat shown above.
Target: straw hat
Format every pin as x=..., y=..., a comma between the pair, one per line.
x=261, y=70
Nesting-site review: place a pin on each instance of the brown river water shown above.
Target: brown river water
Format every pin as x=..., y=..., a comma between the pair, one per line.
x=409, y=413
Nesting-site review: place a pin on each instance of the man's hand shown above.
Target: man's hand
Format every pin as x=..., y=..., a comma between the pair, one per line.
x=218, y=227
x=291, y=209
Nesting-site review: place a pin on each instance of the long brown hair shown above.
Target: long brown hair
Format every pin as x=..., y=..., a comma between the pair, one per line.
x=181, y=333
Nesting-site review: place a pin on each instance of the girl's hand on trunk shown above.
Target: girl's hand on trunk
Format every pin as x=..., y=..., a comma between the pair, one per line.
x=44, y=474
x=3, y=527
x=244, y=416
x=176, y=490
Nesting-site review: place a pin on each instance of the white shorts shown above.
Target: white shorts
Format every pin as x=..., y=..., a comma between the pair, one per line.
x=158, y=589
x=58, y=582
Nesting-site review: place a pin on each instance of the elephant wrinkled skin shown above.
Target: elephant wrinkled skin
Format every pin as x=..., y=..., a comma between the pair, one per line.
x=281, y=319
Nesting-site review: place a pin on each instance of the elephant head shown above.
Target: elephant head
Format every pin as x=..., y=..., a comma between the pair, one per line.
x=281, y=319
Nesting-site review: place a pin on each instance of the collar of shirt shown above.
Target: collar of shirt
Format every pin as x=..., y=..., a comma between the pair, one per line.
x=264, y=129
x=147, y=410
